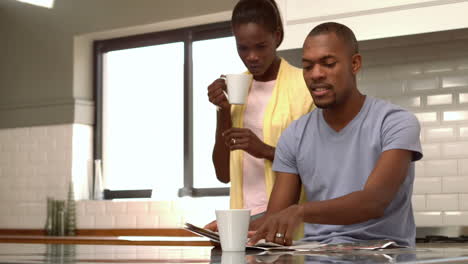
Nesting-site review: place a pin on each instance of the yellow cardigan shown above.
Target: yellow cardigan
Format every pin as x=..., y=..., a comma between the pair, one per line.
x=289, y=101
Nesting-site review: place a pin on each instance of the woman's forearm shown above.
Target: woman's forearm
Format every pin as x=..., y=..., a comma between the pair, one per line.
x=221, y=152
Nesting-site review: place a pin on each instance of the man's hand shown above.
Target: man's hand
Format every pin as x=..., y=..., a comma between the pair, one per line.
x=213, y=226
x=280, y=227
x=245, y=139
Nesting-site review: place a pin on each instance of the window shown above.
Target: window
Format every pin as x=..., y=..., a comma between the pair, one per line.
x=154, y=125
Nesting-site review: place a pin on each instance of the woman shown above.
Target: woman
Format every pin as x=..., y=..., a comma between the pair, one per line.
x=246, y=135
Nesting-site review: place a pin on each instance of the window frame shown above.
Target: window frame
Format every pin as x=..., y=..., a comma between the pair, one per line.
x=187, y=35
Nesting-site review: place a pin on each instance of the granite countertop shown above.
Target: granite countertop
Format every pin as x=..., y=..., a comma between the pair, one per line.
x=72, y=253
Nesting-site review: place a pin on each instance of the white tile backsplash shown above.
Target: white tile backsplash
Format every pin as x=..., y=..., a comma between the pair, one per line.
x=455, y=149
x=419, y=202
x=455, y=218
x=455, y=116
x=439, y=133
x=425, y=185
x=423, y=219
x=427, y=117
x=431, y=151
x=441, y=168
x=454, y=81
x=442, y=202
x=455, y=184
x=440, y=99
x=463, y=98
x=463, y=200
x=418, y=85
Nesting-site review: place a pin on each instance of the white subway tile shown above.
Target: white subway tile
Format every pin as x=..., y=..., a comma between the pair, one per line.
x=38, y=157
x=95, y=207
x=104, y=221
x=454, y=81
x=464, y=132
x=147, y=221
x=428, y=219
x=455, y=184
x=441, y=168
x=116, y=207
x=405, y=70
x=427, y=185
x=5, y=208
x=33, y=222
x=455, y=115
x=10, y=222
x=38, y=131
x=438, y=67
x=5, y=159
x=125, y=221
x=428, y=117
x=407, y=102
x=423, y=84
x=10, y=147
x=419, y=202
x=80, y=208
x=439, y=99
x=171, y=221
x=138, y=207
x=462, y=64
x=431, y=151
x=463, y=98
x=85, y=222
x=376, y=74
x=455, y=218
x=390, y=88
x=28, y=147
x=442, y=202
x=463, y=200
x=455, y=149
x=160, y=207
x=463, y=167
x=419, y=170
x=437, y=133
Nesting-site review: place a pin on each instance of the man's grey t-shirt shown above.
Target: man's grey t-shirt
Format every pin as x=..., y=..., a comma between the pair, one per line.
x=333, y=164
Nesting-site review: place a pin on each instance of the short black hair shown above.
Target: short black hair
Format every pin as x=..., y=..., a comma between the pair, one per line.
x=341, y=31
x=262, y=12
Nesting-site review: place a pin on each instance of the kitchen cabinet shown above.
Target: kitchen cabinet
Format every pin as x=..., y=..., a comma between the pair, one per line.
x=370, y=19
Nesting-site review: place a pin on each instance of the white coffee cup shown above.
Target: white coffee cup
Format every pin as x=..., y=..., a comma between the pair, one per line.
x=233, y=226
x=237, y=87
x=233, y=257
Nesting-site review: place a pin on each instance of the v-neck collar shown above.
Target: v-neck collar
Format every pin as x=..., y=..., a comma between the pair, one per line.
x=350, y=125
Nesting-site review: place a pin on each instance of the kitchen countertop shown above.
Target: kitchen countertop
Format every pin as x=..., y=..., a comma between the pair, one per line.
x=71, y=253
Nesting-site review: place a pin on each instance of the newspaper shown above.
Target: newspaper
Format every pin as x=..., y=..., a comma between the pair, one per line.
x=303, y=246
x=260, y=245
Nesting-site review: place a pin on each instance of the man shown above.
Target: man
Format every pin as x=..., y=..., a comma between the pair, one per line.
x=354, y=155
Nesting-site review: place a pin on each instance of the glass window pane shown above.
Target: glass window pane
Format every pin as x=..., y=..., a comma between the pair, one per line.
x=211, y=58
x=143, y=119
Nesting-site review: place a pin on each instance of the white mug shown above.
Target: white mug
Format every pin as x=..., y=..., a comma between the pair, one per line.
x=233, y=257
x=237, y=87
x=233, y=226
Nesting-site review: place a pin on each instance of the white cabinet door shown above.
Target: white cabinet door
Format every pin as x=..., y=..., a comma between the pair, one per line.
x=371, y=19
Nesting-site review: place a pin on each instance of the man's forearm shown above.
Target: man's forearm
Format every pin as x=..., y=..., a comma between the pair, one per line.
x=350, y=209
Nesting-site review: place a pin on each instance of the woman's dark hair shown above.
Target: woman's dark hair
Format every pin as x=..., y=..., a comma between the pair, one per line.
x=262, y=12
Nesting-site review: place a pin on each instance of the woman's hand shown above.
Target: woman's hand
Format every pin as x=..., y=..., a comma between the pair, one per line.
x=280, y=227
x=213, y=226
x=216, y=94
x=245, y=139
